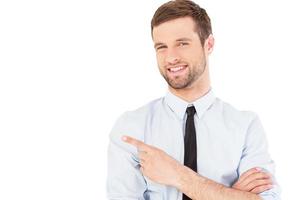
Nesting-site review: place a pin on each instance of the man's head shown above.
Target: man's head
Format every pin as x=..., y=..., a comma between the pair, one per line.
x=182, y=36
x=184, y=8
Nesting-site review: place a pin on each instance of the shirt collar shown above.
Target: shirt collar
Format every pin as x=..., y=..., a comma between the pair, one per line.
x=178, y=105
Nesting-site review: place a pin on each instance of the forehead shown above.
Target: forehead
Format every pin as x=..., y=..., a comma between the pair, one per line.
x=172, y=30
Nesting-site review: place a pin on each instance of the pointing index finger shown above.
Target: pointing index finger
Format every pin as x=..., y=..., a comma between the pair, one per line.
x=137, y=143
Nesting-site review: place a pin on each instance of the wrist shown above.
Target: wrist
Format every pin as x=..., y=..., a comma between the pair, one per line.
x=185, y=176
x=178, y=173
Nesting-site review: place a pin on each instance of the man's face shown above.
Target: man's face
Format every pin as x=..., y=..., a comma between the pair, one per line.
x=180, y=55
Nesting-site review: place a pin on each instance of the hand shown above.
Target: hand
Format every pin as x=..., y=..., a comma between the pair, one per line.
x=155, y=163
x=254, y=180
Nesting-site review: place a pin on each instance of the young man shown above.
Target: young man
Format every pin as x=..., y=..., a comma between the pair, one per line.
x=188, y=144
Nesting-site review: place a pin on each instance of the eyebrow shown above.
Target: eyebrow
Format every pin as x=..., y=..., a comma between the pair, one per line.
x=177, y=40
x=158, y=44
x=183, y=39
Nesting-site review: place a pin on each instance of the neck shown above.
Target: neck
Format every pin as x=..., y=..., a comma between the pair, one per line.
x=193, y=92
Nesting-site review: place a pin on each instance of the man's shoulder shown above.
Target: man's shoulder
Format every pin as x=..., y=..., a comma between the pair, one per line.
x=133, y=122
x=144, y=110
x=233, y=114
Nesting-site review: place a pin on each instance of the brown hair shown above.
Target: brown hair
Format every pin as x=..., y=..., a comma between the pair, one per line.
x=183, y=8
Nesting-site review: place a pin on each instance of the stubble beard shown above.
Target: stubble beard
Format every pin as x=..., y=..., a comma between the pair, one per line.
x=188, y=79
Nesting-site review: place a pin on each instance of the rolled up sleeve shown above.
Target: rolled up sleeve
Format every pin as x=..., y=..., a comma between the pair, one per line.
x=255, y=154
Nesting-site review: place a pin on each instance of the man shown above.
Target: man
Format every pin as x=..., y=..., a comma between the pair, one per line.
x=188, y=144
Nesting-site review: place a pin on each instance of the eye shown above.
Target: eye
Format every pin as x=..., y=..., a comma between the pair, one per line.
x=160, y=47
x=183, y=44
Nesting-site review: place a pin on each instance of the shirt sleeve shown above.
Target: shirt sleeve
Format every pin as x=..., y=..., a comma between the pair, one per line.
x=124, y=179
x=255, y=154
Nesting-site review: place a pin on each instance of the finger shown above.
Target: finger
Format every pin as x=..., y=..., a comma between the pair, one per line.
x=142, y=169
x=258, y=183
x=142, y=155
x=255, y=176
x=142, y=163
x=137, y=143
x=248, y=173
x=261, y=189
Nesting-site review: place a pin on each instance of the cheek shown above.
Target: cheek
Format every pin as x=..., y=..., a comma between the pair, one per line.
x=194, y=56
x=160, y=59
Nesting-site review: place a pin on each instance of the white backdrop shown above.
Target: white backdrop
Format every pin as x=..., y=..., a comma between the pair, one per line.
x=68, y=69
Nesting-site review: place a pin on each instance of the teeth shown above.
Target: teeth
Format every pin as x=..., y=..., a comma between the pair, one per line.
x=175, y=69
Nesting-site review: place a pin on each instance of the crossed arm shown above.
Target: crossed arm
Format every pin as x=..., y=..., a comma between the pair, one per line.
x=163, y=169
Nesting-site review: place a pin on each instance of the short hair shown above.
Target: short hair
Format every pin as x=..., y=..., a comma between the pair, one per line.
x=183, y=8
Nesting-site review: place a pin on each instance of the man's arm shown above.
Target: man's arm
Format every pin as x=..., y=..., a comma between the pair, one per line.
x=255, y=180
x=163, y=169
x=255, y=154
x=198, y=187
x=124, y=179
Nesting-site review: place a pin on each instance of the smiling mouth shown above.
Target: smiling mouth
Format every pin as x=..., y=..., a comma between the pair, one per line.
x=176, y=69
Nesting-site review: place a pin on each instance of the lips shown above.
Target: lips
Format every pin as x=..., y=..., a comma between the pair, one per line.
x=177, y=69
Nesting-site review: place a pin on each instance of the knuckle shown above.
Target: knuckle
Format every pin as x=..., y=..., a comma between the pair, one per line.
x=259, y=175
x=265, y=187
x=259, y=189
x=264, y=174
x=262, y=188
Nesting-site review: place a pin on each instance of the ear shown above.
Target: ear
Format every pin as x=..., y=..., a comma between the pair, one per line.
x=209, y=44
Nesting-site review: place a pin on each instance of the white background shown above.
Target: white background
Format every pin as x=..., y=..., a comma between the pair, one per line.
x=68, y=69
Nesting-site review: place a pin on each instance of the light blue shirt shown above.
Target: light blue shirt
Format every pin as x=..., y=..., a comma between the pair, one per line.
x=229, y=142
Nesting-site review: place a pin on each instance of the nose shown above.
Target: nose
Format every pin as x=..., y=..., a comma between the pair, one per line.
x=172, y=57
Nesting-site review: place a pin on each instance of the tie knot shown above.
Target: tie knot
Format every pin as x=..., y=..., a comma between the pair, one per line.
x=190, y=111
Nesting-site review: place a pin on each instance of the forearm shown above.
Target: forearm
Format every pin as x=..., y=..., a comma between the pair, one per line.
x=200, y=188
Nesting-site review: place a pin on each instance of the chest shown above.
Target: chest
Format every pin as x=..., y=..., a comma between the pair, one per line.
x=219, y=148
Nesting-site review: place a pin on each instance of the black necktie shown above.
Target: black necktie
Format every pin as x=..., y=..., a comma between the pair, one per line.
x=190, y=146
